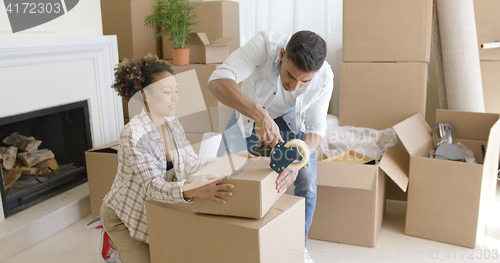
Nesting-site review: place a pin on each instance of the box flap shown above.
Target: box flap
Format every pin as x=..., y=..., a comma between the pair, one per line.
x=463, y=121
x=112, y=145
x=199, y=39
x=223, y=41
x=347, y=175
x=415, y=135
x=396, y=165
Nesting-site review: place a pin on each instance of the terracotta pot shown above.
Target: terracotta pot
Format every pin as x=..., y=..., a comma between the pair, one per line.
x=181, y=56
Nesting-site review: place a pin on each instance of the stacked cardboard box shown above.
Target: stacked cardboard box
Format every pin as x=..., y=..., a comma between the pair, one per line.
x=179, y=235
x=488, y=31
x=383, y=81
x=219, y=22
x=386, y=48
x=125, y=19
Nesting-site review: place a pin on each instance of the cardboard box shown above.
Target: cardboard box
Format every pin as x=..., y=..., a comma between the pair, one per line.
x=491, y=85
x=191, y=110
x=350, y=205
x=487, y=21
x=203, y=72
x=254, y=191
x=448, y=201
x=217, y=19
x=179, y=235
x=102, y=165
x=204, y=51
x=125, y=19
x=380, y=95
x=387, y=30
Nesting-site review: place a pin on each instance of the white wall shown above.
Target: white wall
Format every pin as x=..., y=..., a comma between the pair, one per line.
x=34, y=87
x=83, y=20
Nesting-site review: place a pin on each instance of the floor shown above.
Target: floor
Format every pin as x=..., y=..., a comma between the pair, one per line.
x=76, y=244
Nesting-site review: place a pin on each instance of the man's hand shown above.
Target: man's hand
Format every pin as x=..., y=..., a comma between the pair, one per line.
x=267, y=131
x=286, y=178
x=206, y=186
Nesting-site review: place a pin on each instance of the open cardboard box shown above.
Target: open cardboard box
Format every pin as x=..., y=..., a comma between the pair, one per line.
x=448, y=201
x=350, y=204
x=102, y=164
x=217, y=19
x=204, y=51
x=178, y=235
x=254, y=191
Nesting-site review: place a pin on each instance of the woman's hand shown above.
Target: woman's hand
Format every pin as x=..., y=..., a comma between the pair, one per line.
x=206, y=186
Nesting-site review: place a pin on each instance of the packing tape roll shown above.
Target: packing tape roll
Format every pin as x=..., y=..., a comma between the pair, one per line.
x=305, y=149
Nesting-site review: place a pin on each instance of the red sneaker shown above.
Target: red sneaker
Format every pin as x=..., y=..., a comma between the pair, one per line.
x=108, y=253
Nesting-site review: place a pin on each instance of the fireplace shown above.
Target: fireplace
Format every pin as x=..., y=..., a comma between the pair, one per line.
x=64, y=130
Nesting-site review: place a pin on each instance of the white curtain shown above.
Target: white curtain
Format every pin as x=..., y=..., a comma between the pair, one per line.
x=323, y=17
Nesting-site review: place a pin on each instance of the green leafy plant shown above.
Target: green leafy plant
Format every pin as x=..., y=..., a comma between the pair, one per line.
x=173, y=18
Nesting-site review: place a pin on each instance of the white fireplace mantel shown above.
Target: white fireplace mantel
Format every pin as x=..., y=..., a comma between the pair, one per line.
x=46, y=72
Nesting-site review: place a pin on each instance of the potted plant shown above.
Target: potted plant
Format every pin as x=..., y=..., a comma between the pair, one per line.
x=174, y=18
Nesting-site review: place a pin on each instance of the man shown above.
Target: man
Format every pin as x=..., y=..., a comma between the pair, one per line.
x=285, y=93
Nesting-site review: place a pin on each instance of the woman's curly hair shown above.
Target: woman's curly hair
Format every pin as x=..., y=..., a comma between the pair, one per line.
x=133, y=75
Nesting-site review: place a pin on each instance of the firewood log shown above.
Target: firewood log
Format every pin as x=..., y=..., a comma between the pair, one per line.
x=51, y=163
x=22, y=142
x=10, y=177
x=35, y=157
x=8, y=155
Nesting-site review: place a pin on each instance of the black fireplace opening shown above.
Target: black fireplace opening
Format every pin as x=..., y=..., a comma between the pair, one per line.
x=64, y=130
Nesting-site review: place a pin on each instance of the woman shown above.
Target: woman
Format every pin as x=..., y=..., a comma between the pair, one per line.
x=154, y=157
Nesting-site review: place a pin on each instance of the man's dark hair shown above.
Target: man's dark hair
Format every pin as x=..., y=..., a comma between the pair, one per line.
x=307, y=51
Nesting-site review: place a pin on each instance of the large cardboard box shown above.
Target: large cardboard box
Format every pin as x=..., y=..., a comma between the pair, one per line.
x=387, y=30
x=487, y=21
x=351, y=203
x=217, y=19
x=448, y=201
x=254, y=191
x=125, y=19
x=102, y=164
x=205, y=51
x=203, y=72
x=491, y=85
x=178, y=235
x=191, y=109
x=380, y=95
